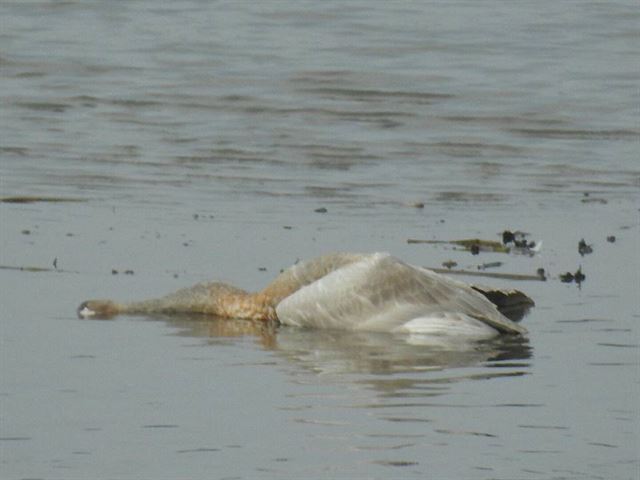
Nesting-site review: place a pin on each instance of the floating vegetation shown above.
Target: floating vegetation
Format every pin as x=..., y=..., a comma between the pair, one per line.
x=35, y=199
x=32, y=269
x=27, y=269
x=471, y=244
x=482, y=273
x=512, y=242
x=484, y=266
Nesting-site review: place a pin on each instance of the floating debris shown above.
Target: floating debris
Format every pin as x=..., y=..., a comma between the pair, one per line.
x=566, y=277
x=197, y=216
x=542, y=274
x=516, y=238
x=508, y=237
x=468, y=244
x=520, y=243
x=126, y=272
x=476, y=245
x=484, y=266
x=321, y=210
x=476, y=273
x=611, y=239
x=35, y=269
x=26, y=269
x=33, y=199
x=602, y=201
x=583, y=248
x=449, y=264
x=577, y=277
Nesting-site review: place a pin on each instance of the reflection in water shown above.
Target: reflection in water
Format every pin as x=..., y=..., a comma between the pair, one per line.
x=343, y=352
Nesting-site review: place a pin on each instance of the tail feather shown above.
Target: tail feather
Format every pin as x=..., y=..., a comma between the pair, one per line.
x=512, y=303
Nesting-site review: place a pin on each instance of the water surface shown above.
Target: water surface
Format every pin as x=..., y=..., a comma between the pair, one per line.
x=198, y=139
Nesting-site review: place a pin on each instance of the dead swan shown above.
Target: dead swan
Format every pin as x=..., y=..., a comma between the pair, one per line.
x=349, y=291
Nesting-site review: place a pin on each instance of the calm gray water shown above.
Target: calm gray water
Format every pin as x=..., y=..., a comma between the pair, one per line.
x=198, y=138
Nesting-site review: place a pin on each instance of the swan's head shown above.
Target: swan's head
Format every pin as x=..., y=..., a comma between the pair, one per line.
x=98, y=309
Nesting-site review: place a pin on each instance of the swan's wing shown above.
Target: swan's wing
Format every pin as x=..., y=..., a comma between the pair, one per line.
x=379, y=292
x=307, y=272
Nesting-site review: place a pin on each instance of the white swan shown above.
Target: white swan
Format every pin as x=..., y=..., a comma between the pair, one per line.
x=360, y=292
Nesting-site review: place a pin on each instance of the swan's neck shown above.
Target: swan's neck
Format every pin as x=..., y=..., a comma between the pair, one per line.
x=250, y=306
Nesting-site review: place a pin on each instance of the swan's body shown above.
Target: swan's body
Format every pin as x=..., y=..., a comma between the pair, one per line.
x=372, y=292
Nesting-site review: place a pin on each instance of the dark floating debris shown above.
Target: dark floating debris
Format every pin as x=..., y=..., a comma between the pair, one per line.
x=520, y=243
x=577, y=277
x=587, y=199
x=515, y=242
x=33, y=199
x=508, y=237
x=542, y=274
x=197, y=216
x=321, y=210
x=449, y=264
x=583, y=248
x=262, y=269
x=484, y=266
x=566, y=277
x=126, y=272
x=36, y=269
x=611, y=239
